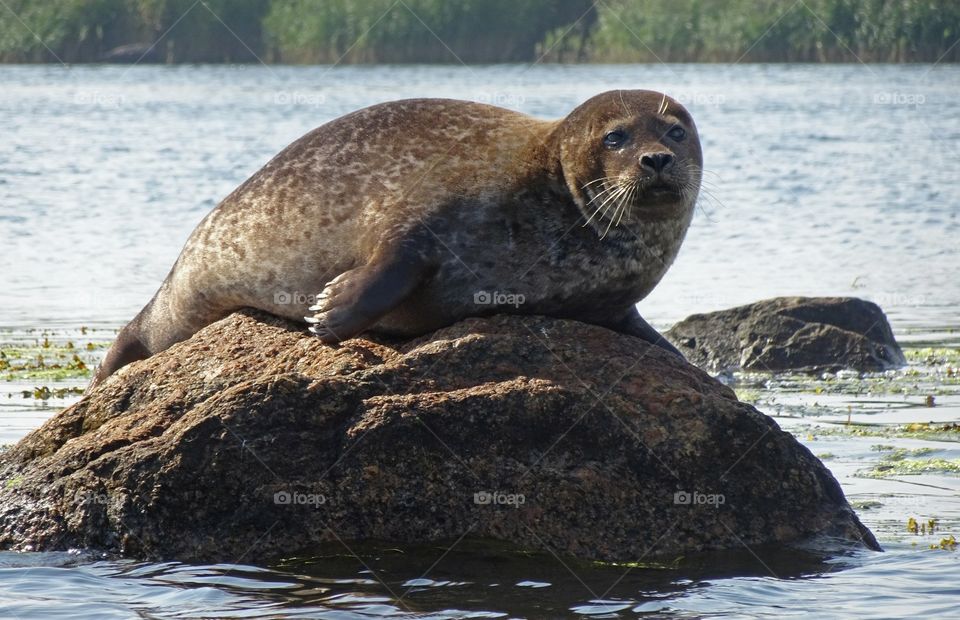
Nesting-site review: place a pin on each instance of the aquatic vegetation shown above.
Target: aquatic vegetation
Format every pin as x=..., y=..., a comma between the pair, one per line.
x=935, y=357
x=902, y=466
x=927, y=527
x=45, y=393
x=898, y=454
x=915, y=430
x=930, y=375
x=47, y=360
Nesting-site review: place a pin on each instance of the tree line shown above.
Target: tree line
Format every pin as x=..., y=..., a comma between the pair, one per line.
x=479, y=31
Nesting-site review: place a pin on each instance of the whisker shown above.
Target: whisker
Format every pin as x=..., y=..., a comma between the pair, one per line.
x=614, y=199
x=663, y=104
x=611, y=196
x=607, y=189
x=628, y=202
x=619, y=206
x=600, y=180
x=603, y=194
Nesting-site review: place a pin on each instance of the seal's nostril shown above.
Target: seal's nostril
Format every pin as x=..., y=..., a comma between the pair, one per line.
x=657, y=162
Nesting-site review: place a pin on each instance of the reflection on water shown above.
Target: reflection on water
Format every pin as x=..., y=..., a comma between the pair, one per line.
x=818, y=183
x=473, y=580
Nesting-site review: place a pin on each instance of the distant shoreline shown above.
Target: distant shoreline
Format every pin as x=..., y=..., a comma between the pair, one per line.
x=598, y=63
x=361, y=32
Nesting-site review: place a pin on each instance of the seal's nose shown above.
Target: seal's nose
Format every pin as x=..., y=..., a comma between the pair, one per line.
x=656, y=162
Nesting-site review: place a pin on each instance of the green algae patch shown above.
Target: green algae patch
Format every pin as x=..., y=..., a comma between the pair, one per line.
x=931, y=373
x=947, y=544
x=898, y=454
x=932, y=356
x=908, y=462
x=46, y=393
x=48, y=361
x=915, y=430
x=903, y=466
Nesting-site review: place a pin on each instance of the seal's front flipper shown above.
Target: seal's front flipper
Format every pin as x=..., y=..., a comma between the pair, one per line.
x=356, y=299
x=633, y=324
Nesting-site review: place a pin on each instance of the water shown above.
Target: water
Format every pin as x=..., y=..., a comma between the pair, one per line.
x=821, y=180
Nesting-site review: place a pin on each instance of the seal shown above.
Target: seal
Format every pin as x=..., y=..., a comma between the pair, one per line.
x=408, y=216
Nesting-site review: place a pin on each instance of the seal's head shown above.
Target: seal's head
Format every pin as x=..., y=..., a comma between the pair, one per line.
x=631, y=156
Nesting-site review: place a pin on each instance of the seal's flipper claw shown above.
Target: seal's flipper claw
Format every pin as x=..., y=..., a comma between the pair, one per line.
x=358, y=298
x=325, y=335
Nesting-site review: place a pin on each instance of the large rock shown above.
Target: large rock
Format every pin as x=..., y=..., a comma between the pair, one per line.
x=807, y=334
x=253, y=441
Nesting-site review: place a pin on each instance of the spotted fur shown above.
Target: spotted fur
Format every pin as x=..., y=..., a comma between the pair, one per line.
x=458, y=199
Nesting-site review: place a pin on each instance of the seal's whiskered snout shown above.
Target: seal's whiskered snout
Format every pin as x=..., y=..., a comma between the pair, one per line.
x=657, y=163
x=658, y=174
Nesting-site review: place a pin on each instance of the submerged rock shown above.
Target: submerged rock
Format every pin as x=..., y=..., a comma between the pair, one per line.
x=252, y=441
x=807, y=334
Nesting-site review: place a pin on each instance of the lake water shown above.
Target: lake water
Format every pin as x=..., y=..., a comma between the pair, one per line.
x=821, y=180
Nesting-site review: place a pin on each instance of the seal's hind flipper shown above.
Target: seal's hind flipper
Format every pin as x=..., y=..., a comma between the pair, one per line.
x=356, y=299
x=634, y=325
x=125, y=349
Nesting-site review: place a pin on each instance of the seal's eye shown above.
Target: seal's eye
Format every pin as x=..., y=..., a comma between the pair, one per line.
x=677, y=133
x=615, y=138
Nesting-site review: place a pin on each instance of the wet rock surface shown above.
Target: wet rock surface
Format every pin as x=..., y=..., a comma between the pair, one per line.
x=253, y=441
x=807, y=334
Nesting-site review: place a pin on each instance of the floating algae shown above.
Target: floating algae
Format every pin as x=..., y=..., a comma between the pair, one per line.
x=48, y=361
x=45, y=393
x=897, y=464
